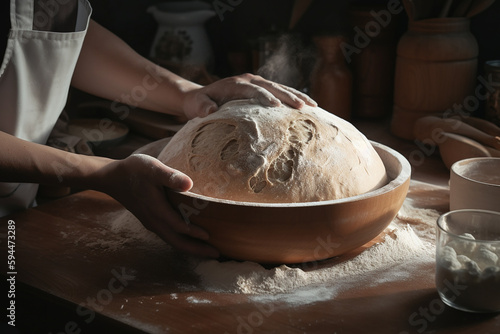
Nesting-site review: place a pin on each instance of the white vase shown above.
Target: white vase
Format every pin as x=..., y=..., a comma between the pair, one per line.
x=181, y=38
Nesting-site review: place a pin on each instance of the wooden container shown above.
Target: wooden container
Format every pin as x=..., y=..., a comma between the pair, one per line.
x=331, y=79
x=299, y=232
x=373, y=66
x=436, y=68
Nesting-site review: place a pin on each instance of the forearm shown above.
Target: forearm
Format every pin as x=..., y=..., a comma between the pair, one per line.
x=137, y=182
x=109, y=68
x=26, y=162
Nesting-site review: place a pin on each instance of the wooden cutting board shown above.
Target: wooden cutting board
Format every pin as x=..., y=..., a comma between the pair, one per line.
x=152, y=124
x=148, y=123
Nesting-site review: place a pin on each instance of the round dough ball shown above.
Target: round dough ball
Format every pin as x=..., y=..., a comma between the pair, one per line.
x=251, y=153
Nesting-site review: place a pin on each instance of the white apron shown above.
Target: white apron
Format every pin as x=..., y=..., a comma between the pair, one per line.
x=35, y=77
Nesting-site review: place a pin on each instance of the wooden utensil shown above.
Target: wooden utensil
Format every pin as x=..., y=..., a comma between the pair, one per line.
x=493, y=152
x=427, y=128
x=461, y=8
x=483, y=125
x=422, y=9
x=299, y=8
x=428, y=8
x=478, y=6
x=409, y=6
x=454, y=148
x=446, y=8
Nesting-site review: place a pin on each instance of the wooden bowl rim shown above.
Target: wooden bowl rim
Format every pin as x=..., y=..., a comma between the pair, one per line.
x=395, y=182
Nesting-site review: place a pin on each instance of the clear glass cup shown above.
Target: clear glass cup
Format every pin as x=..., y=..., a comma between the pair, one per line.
x=468, y=260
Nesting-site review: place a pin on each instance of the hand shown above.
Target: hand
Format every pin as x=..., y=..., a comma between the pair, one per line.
x=138, y=183
x=203, y=101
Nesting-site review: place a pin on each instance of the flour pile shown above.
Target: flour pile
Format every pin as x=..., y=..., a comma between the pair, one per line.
x=403, y=249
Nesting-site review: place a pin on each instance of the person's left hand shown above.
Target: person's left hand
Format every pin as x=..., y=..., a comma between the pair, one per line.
x=139, y=183
x=205, y=100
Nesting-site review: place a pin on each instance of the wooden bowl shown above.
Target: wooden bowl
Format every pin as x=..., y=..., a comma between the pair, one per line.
x=299, y=232
x=98, y=132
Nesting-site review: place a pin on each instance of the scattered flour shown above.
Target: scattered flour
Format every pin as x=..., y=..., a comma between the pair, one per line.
x=301, y=296
x=252, y=278
x=408, y=244
x=423, y=220
x=127, y=224
x=403, y=249
x=194, y=300
x=125, y=229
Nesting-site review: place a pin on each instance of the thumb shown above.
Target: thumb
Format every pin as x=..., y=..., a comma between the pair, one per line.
x=176, y=180
x=206, y=106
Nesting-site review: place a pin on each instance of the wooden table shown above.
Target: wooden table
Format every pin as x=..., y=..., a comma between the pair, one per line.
x=65, y=286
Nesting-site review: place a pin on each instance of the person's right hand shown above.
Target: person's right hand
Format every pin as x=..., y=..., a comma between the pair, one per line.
x=203, y=101
x=139, y=183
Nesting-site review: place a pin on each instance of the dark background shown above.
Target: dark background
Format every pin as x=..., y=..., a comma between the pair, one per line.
x=236, y=33
x=254, y=18
x=236, y=36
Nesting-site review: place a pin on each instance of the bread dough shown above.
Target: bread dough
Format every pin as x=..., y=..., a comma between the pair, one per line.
x=251, y=153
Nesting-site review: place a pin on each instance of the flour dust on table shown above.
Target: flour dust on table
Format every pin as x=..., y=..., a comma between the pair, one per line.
x=407, y=246
x=396, y=258
x=122, y=229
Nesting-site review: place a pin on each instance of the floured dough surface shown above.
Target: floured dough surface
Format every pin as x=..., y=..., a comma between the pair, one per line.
x=247, y=152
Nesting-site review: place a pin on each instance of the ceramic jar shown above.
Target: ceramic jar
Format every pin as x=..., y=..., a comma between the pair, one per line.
x=436, y=68
x=181, y=38
x=373, y=66
x=331, y=79
x=475, y=184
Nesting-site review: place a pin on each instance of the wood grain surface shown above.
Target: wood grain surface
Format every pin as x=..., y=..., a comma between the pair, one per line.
x=153, y=289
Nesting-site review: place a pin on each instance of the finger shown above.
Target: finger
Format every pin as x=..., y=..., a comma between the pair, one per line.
x=164, y=219
x=308, y=100
x=285, y=95
x=264, y=97
x=196, y=247
x=172, y=178
x=185, y=243
x=178, y=181
x=241, y=88
x=206, y=106
x=183, y=235
x=191, y=246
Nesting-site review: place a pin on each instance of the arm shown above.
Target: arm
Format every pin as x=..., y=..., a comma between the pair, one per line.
x=109, y=68
x=137, y=182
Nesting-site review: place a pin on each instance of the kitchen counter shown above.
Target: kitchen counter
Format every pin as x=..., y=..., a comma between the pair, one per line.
x=70, y=277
